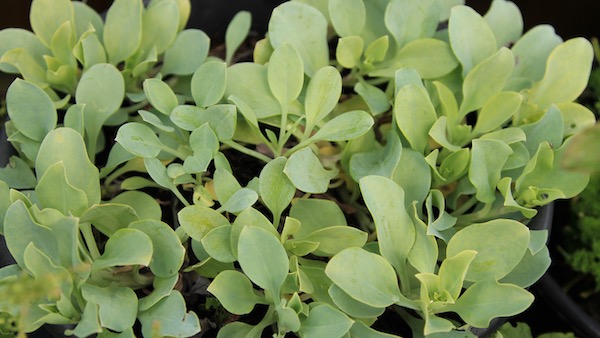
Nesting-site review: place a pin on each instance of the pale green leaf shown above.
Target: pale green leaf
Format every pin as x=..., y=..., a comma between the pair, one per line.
x=47, y=15
x=377, y=100
x=348, y=17
x=167, y=251
x=310, y=41
x=324, y=320
x=532, y=51
x=54, y=191
x=209, y=82
x=26, y=102
x=432, y=58
x=123, y=29
x=322, y=95
x=351, y=306
x=567, y=71
x=234, y=291
x=349, y=50
x=415, y=115
x=364, y=276
x=285, y=74
x=489, y=299
x=198, y=220
x=505, y=20
x=410, y=20
x=160, y=25
x=471, y=38
x=160, y=95
x=500, y=245
x=346, y=126
x=276, y=189
x=125, y=247
x=305, y=171
x=168, y=318
x=487, y=160
x=139, y=140
x=236, y=33
x=497, y=110
x=117, y=306
x=249, y=82
x=187, y=53
x=263, y=259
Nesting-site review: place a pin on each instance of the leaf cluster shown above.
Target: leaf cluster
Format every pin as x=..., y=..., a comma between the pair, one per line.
x=398, y=175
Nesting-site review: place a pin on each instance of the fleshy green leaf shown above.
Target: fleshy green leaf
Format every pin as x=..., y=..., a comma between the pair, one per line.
x=471, y=38
x=410, y=20
x=123, y=29
x=276, y=189
x=209, y=82
x=249, y=82
x=139, y=140
x=54, y=191
x=349, y=50
x=306, y=172
x=66, y=145
x=322, y=95
x=348, y=17
x=500, y=245
x=567, y=71
x=505, y=20
x=167, y=251
x=324, y=320
x=198, y=220
x=25, y=103
x=351, y=306
x=263, y=259
x=169, y=318
x=496, y=111
x=488, y=299
x=125, y=247
x=117, y=306
x=345, y=127
x=415, y=115
x=46, y=16
x=486, y=80
x=160, y=95
x=234, y=291
x=432, y=58
x=285, y=73
x=310, y=41
x=187, y=53
x=364, y=276
x=487, y=160
x=236, y=33
x=375, y=98
x=395, y=229
x=160, y=23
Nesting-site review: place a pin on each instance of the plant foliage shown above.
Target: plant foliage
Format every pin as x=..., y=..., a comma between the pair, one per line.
x=397, y=176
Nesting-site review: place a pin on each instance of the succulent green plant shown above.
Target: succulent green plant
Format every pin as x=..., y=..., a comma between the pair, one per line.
x=397, y=176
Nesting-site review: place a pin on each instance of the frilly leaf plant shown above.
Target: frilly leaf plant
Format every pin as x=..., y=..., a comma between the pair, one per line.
x=376, y=156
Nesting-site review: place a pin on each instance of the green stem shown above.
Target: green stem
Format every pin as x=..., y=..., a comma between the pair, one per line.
x=88, y=235
x=249, y=152
x=465, y=207
x=282, y=128
x=180, y=197
x=174, y=152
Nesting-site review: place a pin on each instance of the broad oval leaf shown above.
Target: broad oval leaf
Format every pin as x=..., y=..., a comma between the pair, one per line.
x=310, y=41
x=322, y=95
x=167, y=253
x=348, y=17
x=234, y=291
x=487, y=161
x=345, y=127
x=496, y=111
x=349, y=50
x=263, y=259
x=47, y=15
x=168, y=318
x=187, y=53
x=236, y=33
x=160, y=95
x=410, y=20
x=305, y=171
x=415, y=115
x=471, y=38
x=488, y=299
x=276, y=189
x=209, y=82
x=325, y=321
x=125, y=247
x=102, y=89
x=54, y=191
x=117, y=306
x=160, y=23
x=500, y=245
x=26, y=103
x=66, y=145
x=198, y=220
x=567, y=71
x=123, y=29
x=432, y=58
x=285, y=73
x=364, y=276
x=249, y=82
x=486, y=80
x=217, y=244
x=505, y=20
x=139, y=140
